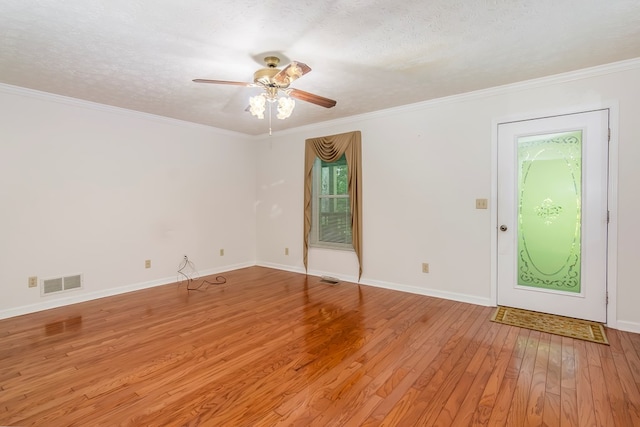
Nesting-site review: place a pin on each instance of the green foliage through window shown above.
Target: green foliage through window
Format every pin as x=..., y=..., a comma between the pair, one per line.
x=331, y=206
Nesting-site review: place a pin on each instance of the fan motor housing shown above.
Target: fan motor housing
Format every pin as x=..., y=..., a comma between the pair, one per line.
x=265, y=75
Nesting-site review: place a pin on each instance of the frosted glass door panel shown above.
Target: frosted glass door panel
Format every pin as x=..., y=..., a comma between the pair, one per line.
x=549, y=211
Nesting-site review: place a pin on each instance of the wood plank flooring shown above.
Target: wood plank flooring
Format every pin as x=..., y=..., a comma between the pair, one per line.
x=273, y=348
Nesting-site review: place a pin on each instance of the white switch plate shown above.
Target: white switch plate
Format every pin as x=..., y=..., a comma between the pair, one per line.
x=482, y=203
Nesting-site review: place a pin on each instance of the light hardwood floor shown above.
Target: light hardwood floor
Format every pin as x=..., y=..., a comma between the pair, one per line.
x=273, y=348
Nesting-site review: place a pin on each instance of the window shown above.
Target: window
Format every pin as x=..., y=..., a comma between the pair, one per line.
x=331, y=207
x=329, y=148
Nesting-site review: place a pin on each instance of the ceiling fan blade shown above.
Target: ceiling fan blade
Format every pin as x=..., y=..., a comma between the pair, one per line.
x=291, y=72
x=223, y=82
x=310, y=97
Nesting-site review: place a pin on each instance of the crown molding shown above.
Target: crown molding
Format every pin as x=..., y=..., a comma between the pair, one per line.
x=585, y=73
x=81, y=103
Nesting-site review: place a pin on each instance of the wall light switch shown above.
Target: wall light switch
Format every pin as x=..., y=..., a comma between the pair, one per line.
x=482, y=203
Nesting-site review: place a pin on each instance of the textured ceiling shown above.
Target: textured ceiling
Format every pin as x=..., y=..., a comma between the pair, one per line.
x=366, y=54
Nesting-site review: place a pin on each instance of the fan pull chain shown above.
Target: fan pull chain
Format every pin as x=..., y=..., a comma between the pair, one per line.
x=270, y=118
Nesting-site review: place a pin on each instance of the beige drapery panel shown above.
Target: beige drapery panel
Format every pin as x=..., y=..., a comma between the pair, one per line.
x=330, y=148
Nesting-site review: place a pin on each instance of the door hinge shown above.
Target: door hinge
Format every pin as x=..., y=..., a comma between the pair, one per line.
x=608, y=216
x=609, y=135
x=606, y=298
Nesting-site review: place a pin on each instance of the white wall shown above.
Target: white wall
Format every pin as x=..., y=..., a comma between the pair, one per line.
x=96, y=190
x=423, y=167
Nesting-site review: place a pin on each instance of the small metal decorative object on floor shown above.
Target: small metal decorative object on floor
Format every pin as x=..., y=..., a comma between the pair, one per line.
x=330, y=280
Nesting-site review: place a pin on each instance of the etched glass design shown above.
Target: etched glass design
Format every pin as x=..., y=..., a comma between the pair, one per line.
x=549, y=211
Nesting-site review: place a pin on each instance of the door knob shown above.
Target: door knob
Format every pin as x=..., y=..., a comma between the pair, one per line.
x=503, y=227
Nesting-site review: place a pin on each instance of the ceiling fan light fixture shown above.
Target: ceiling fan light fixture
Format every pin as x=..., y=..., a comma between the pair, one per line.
x=257, y=105
x=275, y=83
x=285, y=107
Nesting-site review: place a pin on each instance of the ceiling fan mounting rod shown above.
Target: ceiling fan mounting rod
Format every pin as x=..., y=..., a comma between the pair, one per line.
x=272, y=61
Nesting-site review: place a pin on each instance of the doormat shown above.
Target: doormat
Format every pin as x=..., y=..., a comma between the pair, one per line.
x=551, y=323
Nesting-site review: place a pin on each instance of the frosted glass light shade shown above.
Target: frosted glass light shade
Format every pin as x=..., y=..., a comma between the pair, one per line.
x=285, y=107
x=257, y=105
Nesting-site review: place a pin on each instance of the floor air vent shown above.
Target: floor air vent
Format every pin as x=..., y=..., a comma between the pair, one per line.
x=330, y=280
x=61, y=284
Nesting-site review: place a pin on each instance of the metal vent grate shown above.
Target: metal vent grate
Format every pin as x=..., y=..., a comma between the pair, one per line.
x=52, y=285
x=72, y=282
x=61, y=284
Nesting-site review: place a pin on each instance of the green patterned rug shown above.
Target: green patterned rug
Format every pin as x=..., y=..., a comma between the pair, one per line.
x=558, y=325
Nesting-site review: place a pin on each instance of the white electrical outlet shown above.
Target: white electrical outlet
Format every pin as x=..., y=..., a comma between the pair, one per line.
x=286, y=251
x=33, y=282
x=221, y=252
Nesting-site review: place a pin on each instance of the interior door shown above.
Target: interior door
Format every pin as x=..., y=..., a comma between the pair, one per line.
x=552, y=214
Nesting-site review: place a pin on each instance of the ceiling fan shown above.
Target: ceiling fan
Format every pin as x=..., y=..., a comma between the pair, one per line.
x=275, y=81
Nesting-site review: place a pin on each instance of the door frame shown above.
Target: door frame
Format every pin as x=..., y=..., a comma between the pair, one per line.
x=612, y=198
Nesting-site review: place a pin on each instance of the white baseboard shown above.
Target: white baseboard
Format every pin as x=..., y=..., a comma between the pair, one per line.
x=436, y=293
x=75, y=297
x=282, y=267
x=225, y=268
x=78, y=298
x=627, y=326
x=471, y=299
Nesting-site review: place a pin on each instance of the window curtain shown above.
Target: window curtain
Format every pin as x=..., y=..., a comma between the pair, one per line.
x=331, y=148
